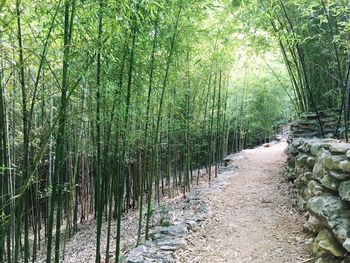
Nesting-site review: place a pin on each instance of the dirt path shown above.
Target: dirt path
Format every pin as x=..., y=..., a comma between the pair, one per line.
x=254, y=220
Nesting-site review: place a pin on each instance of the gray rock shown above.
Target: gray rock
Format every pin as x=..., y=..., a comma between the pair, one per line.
x=314, y=148
x=172, y=244
x=135, y=259
x=313, y=225
x=327, y=259
x=302, y=181
x=344, y=190
x=318, y=170
x=172, y=231
x=301, y=204
x=306, y=194
x=326, y=244
x=310, y=117
x=345, y=165
x=305, y=134
x=339, y=148
x=332, y=162
x=305, y=147
x=192, y=224
x=290, y=149
x=198, y=206
x=157, y=257
x=136, y=254
x=310, y=161
x=308, y=176
x=333, y=213
x=315, y=188
x=301, y=159
x=199, y=217
x=339, y=175
x=317, y=144
x=346, y=244
x=329, y=182
x=297, y=142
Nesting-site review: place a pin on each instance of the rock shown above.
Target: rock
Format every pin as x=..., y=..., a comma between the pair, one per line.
x=199, y=208
x=348, y=154
x=318, y=170
x=172, y=244
x=302, y=181
x=290, y=150
x=332, y=162
x=224, y=168
x=329, y=182
x=332, y=212
x=298, y=142
x=305, y=147
x=344, y=190
x=157, y=257
x=339, y=148
x=136, y=254
x=301, y=204
x=290, y=175
x=327, y=259
x=135, y=259
x=326, y=244
x=172, y=231
x=314, y=148
x=304, y=134
x=302, y=159
x=227, y=160
x=309, y=241
x=315, y=188
x=310, y=161
x=306, y=194
x=199, y=217
x=313, y=225
x=346, y=244
x=311, y=116
x=147, y=253
x=339, y=175
x=192, y=224
x=345, y=166
x=308, y=176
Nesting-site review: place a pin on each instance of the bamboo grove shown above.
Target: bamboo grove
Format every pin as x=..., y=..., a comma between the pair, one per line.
x=101, y=112
x=313, y=37
x=108, y=106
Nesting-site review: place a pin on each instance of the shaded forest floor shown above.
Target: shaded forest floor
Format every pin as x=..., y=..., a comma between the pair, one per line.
x=253, y=216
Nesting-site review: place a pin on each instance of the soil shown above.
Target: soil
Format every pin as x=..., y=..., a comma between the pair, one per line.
x=253, y=216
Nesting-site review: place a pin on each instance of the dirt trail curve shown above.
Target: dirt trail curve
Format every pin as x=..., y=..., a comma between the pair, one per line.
x=254, y=220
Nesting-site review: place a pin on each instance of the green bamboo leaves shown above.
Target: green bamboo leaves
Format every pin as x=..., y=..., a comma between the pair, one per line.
x=312, y=39
x=107, y=107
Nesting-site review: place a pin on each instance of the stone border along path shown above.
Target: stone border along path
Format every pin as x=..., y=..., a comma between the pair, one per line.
x=189, y=217
x=245, y=215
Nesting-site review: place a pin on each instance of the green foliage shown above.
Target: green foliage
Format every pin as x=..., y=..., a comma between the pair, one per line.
x=125, y=99
x=261, y=104
x=314, y=37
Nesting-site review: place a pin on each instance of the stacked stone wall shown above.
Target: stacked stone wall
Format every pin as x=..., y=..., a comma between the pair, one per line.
x=308, y=125
x=320, y=169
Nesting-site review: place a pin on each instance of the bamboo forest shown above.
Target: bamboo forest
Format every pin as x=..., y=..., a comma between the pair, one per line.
x=113, y=110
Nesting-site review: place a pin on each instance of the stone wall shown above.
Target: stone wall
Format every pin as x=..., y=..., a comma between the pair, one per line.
x=308, y=126
x=321, y=172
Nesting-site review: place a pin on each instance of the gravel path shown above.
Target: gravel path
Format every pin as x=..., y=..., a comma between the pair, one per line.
x=254, y=220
